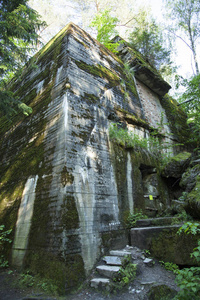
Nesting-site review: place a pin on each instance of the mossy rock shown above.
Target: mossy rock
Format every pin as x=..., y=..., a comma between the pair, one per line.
x=192, y=205
x=177, y=165
x=168, y=246
x=177, y=120
x=161, y=292
x=189, y=178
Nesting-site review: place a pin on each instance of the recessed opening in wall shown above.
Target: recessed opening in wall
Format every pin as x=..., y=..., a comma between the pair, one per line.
x=174, y=187
x=145, y=170
x=150, y=189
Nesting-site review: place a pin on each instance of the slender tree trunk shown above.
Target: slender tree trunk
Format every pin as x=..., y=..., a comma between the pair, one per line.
x=195, y=60
x=192, y=43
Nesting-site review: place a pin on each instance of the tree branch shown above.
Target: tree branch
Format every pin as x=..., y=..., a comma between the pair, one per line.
x=178, y=36
x=127, y=23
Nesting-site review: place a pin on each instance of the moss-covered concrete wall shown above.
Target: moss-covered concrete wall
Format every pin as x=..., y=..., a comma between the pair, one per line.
x=84, y=184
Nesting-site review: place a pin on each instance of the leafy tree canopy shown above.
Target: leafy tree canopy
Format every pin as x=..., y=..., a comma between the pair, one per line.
x=190, y=100
x=19, y=25
x=105, y=25
x=147, y=37
x=185, y=22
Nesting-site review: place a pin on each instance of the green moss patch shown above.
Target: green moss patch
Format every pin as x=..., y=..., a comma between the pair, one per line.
x=65, y=274
x=70, y=217
x=170, y=247
x=177, y=119
x=192, y=205
x=100, y=71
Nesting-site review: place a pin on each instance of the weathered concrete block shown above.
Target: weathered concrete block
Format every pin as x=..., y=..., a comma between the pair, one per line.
x=99, y=283
x=121, y=253
x=108, y=271
x=164, y=243
x=86, y=183
x=113, y=260
x=142, y=237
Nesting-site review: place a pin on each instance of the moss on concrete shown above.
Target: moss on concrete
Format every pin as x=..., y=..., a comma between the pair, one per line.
x=100, y=71
x=170, y=247
x=161, y=292
x=192, y=205
x=65, y=274
x=70, y=217
x=177, y=119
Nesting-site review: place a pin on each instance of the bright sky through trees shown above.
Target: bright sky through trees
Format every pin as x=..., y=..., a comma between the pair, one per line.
x=58, y=13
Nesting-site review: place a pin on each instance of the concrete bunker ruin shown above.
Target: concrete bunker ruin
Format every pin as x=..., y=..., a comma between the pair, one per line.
x=66, y=187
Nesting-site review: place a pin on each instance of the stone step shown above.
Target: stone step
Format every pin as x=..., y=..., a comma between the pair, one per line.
x=113, y=260
x=107, y=271
x=99, y=283
x=120, y=253
x=154, y=222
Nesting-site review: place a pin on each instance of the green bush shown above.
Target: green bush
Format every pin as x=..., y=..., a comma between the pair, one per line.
x=133, y=217
x=3, y=240
x=188, y=279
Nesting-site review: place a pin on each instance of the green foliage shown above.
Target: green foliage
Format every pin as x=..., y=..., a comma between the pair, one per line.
x=125, y=138
x=105, y=25
x=133, y=217
x=196, y=253
x=191, y=98
x=189, y=228
x=185, y=19
x=3, y=240
x=19, y=25
x=27, y=280
x=147, y=253
x=188, y=279
x=170, y=266
x=126, y=274
x=148, y=38
x=152, y=144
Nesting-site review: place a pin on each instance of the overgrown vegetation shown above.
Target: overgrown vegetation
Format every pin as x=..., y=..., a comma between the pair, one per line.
x=27, y=280
x=169, y=266
x=190, y=102
x=125, y=275
x=19, y=25
x=188, y=279
x=105, y=26
x=153, y=143
x=4, y=238
x=134, y=217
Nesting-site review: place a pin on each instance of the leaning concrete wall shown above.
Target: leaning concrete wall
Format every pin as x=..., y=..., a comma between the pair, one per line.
x=63, y=182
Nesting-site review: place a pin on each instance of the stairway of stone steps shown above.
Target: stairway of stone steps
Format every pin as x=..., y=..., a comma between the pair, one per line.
x=111, y=266
x=111, y=263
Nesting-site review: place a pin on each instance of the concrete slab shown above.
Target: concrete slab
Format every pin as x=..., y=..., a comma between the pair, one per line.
x=113, y=260
x=121, y=253
x=108, y=271
x=142, y=237
x=99, y=282
x=154, y=222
